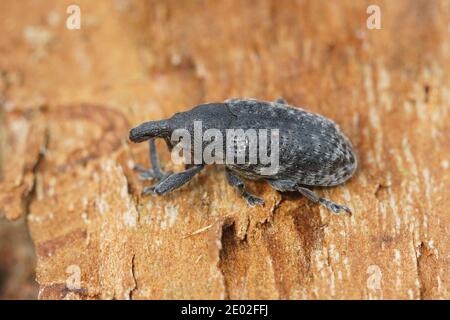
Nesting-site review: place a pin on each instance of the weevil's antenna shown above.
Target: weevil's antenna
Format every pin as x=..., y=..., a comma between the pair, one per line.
x=150, y=129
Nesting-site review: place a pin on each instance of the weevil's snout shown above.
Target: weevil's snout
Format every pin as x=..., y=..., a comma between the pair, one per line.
x=148, y=130
x=136, y=135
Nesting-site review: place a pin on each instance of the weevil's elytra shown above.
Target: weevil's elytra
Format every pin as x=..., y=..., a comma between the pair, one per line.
x=313, y=151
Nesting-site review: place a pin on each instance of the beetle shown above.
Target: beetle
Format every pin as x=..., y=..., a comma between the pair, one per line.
x=313, y=152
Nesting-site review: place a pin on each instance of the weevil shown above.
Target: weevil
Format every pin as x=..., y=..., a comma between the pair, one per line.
x=313, y=152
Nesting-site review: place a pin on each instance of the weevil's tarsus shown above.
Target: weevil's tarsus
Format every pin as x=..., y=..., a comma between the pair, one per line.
x=155, y=172
x=173, y=181
x=237, y=183
x=144, y=173
x=311, y=195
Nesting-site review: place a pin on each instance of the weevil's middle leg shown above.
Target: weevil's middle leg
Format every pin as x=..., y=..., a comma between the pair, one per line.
x=155, y=172
x=237, y=182
x=311, y=195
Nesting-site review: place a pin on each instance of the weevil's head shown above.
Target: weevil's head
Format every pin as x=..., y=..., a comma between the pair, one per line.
x=205, y=116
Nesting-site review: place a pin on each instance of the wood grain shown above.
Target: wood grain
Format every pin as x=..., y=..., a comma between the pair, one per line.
x=69, y=98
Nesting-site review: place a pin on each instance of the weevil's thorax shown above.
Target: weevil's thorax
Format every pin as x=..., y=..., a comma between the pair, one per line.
x=212, y=117
x=209, y=116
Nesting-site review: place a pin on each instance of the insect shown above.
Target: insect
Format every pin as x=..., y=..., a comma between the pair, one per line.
x=313, y=152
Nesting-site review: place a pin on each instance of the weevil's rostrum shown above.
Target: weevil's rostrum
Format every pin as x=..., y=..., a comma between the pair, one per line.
x=312, y=150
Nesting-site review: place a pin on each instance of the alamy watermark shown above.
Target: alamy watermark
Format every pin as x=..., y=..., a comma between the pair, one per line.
x=238, y=146
x=73, y=21
x=374, y=20
x=73, y=281
x=375, y=277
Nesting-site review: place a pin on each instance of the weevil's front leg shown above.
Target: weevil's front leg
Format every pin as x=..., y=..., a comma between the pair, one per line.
x=237, y=182
x=311, y=195
x=155, y=172
x=173, y=181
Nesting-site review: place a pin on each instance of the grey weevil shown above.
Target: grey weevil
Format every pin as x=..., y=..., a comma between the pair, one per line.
x=313, y=152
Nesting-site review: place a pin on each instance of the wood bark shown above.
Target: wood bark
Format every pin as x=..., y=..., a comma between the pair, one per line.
x=69, y=98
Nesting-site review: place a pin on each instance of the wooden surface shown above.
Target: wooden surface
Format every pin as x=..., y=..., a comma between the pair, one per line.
x=69, y=98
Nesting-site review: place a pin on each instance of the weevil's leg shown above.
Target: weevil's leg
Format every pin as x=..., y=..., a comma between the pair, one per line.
x=282, y=185
x=155, y=172
x=336, y=208
x=168, y=144
x=236, y=182
x=173, y=181
x=281, y=100
x=159, y=174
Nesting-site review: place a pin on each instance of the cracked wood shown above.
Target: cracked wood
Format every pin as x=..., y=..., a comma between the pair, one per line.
x=69, y=97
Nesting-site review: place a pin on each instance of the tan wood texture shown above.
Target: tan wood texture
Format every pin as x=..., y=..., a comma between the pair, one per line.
x=69, y=97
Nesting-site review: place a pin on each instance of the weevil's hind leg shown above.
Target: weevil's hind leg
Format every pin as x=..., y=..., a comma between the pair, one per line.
x=311, y=195
x=172, y=181
x=155, y=172
x=282, y=185
x=237, y=182
x=281, y=100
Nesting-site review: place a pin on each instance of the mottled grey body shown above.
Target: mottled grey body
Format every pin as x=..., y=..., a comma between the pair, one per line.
x=312, y=149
